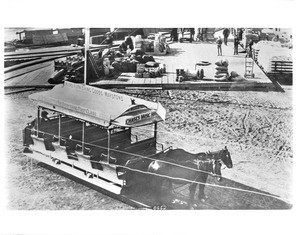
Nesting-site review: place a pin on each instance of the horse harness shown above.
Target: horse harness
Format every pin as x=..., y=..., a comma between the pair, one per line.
x=213, y=156
x=214, y=162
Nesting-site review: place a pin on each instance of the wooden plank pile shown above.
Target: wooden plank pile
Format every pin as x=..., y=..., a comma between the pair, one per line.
x=60, y=38
x=282, y=66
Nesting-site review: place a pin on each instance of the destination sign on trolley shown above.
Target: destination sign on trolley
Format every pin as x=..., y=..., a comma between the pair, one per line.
x=138, y=118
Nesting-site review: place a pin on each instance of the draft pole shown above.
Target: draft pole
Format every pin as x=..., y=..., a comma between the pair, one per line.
x=86, y=48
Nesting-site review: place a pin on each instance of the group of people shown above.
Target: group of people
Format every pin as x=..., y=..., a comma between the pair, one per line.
x=236, y=41
x=177, y=33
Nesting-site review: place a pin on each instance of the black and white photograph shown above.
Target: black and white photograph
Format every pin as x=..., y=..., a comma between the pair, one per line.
x=187, y=117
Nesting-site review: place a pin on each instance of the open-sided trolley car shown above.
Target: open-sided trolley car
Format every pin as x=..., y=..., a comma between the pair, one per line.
x=93, y=134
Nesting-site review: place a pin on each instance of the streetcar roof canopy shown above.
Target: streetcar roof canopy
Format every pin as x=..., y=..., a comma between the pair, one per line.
x=100, y=106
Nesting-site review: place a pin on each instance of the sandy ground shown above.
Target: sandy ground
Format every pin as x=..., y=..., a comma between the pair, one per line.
x=255, y=126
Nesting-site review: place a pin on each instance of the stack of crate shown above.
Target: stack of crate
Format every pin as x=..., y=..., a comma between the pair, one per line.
x=210, y=34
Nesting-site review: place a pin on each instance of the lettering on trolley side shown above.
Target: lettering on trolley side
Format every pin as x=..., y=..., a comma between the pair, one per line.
x=138, y=118
x=95, y=91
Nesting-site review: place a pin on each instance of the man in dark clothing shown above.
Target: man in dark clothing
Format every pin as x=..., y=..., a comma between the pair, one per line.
x=236, y=45
x=174, y=35
x=250, y=48
x=241, y=34
x=226, y=34
x=204, y=34
x=192, y=33
x=129, y=43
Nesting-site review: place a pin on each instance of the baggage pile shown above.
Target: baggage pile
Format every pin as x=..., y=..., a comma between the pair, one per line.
x=150, y=70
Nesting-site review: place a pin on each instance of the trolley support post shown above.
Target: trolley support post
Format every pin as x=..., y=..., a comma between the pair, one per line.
x=38, y=121
x=59, y=127
x=108, y=144
x=83, y=129
x=155, y=130
x=86, y=48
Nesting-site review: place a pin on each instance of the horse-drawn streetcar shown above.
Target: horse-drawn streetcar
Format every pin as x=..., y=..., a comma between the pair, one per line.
x=110, y=141
x=87, y=132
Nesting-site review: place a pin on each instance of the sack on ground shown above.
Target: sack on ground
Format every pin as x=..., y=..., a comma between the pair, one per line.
x=221, y=75
x=117, y=66
x=151, y=64
x=234, y=74
x=148, y=58
x=225, y=62
x=219, y=63
x=222, y=68
x=221, y=72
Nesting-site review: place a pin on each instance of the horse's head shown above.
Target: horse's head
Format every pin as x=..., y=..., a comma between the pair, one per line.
x=225, y=157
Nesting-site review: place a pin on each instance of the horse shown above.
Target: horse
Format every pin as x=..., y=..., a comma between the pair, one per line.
x=181, y=167
x=223, y=156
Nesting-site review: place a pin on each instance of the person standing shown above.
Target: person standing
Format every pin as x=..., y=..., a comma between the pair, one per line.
x=180, y=34
x=198, y=34
x=226, y=34
x=241, y=34
x=250, y=48
x=219, y=46
x=236, y=45
x=181, y=31
x=174, y=35
x=290, y=43
x=192, y=33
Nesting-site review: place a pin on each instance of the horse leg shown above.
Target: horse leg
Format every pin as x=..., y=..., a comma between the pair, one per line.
x=218, y=171
x=158, y=183
x=202, y=197
x=169, y=185
x=192, y=189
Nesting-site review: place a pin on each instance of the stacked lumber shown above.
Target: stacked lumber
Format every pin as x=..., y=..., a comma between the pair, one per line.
x=282, y=66
x=50, y=39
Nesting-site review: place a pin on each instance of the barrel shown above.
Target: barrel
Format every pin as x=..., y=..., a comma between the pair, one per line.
x=192, y=73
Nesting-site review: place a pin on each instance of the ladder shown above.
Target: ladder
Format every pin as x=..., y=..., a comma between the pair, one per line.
x=249, y=64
